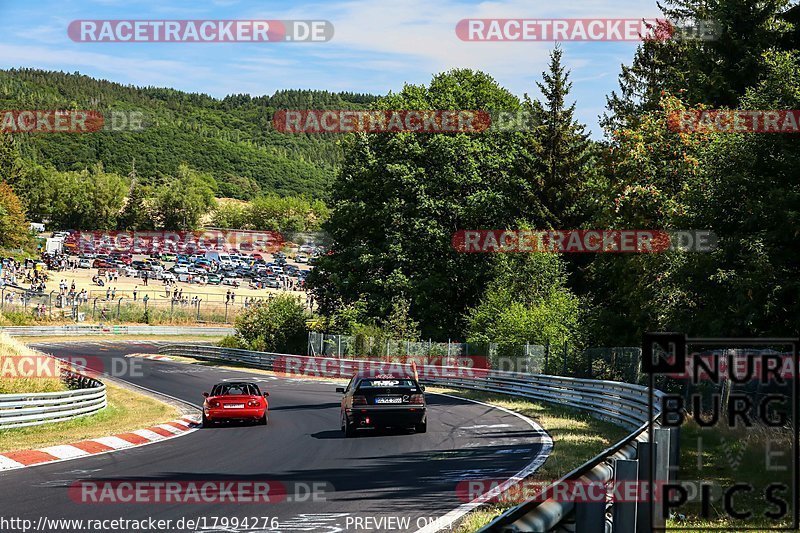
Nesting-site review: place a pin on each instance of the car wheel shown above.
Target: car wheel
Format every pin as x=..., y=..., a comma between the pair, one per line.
x=264, y=420
x=349, y=430
x=421, y=428
x=206, y=422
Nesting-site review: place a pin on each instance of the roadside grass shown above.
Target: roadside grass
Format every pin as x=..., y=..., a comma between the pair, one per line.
x=127, y=410
x=10, y=369
x=725, y=456
x=577, y=437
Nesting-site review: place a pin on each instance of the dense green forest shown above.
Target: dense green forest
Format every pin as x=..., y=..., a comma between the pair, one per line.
x=398, y=199
x=230, y=138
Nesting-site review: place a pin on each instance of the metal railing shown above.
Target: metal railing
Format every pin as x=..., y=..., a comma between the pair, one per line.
x=99, y=329
x=623, y=404
x=30, y=409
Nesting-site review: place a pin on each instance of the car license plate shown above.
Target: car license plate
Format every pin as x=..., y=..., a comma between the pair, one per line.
x=384, y=399
x=234, y=406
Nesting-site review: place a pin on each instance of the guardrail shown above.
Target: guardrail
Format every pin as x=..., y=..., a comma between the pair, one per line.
x=624, y=404
x=99, y=329
x=30, y=409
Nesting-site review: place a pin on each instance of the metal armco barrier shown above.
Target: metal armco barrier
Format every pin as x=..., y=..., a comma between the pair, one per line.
x=31, y=409
x=67, y=330
x=623, y=404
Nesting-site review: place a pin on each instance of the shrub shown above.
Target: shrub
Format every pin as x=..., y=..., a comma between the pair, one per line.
x=275, y=326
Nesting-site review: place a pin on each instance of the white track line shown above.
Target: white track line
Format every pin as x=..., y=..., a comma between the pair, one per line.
x=446, y=521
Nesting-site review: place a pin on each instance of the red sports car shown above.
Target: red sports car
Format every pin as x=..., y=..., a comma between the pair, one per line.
x=235, y=400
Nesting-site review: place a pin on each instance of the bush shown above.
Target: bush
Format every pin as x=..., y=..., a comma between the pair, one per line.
x=275, y=326
x=231, y=341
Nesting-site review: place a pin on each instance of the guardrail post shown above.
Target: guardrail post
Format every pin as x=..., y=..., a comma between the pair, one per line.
x=624, y=513
x=674, y=452
x=590, y=516
x=662, y=437
x=546, y=357
x=645, y=453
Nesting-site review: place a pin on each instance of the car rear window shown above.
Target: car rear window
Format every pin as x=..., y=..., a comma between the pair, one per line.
x=230, y=389
x=383, y=383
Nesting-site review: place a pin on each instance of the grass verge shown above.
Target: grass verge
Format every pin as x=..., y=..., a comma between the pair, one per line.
x=577, y=437
x=126, y=411
x=17, y=360
x=724, y=456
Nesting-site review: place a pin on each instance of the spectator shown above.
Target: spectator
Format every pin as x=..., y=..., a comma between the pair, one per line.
x=134, y=292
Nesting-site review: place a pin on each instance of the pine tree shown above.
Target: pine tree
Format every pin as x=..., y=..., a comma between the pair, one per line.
x=714, y=71
x=562, y=144
x=135, y=215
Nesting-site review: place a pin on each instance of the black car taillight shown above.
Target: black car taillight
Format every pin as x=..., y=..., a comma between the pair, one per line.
x=416, y=399
x=359, y=400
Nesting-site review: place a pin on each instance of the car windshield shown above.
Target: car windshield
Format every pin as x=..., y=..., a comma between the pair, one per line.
x=233, y=389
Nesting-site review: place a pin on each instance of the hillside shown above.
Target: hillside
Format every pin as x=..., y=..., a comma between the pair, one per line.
x=231, y=138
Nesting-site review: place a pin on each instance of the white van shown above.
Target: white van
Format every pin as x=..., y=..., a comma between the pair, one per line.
x=220, y=258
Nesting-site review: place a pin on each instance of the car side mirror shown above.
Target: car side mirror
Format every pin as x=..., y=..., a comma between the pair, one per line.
x=266, y=394
x=339, y=389
x=422, y=387
x=205, y=395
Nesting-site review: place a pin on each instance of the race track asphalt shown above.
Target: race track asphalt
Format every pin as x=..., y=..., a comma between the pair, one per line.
x=400, y=477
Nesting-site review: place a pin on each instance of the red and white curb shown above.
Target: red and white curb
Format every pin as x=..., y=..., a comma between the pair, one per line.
x=84, y=448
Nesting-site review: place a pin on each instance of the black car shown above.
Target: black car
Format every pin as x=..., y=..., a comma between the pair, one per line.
x=374, y=400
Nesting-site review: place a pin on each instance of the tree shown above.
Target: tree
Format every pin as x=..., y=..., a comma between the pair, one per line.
x=229, y=215
x=136, y=214
x=528, y=300
x=400, y=197
x=183, y=199
x=90, y=199
x=11, y=170
x=275, y=326
x=14, y=230
x=714, y=72
x=562, y=146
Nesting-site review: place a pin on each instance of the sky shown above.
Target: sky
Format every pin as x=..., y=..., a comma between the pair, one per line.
x=377, y=47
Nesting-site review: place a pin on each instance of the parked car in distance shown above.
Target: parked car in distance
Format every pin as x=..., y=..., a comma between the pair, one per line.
x=84, y=263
